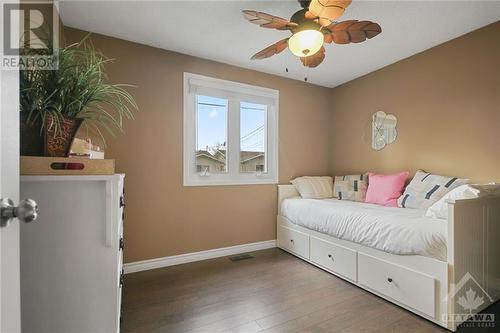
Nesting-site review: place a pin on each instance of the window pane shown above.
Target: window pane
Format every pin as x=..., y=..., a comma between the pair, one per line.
x=253, y=129
x=211, y=134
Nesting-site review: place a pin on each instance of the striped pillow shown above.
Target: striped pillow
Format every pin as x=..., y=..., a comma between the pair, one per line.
x=425, y=189
x=351, y=187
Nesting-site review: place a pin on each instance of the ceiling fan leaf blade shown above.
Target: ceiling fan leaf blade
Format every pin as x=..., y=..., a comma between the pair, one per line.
x=341, y=25
x=372, y=30
x=280, y=20
x=371, y=34
x=360, y=25
x=328, y=10
x=276, y=23
x=267, y=20
x=339, y=3
x=281, y=45
x=259, y=21
x=265, y=16
x=332, y=12
x=249, y=14
x=272, y=25
x=353, y=31
x=357, y=36
x=271, y=50
x=314, y=60
x=341, y=37
x=315, y=8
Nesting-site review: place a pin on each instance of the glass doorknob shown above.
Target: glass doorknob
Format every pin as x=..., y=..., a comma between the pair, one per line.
x=26, y=211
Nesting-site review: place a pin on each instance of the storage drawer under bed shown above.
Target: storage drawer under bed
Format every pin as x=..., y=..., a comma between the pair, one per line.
x=411, y=288
x=294, y=241
x=335, y=258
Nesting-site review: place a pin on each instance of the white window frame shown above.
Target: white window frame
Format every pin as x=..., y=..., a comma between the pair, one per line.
x=235, y=92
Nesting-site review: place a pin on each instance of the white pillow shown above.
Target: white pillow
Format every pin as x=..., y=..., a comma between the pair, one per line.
x=314, y=187
x=439, y=209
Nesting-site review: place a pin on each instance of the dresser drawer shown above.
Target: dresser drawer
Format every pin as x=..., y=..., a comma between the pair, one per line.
x=293, y=241
x=411, y=288
x=335, y=258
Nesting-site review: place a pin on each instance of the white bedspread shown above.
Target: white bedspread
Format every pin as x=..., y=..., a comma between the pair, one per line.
x=394, y=230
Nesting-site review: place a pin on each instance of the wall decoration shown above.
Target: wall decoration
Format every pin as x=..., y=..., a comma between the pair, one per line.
x=383, y=129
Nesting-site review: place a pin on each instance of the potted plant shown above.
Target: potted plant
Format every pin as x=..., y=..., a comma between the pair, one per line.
x=55, y=103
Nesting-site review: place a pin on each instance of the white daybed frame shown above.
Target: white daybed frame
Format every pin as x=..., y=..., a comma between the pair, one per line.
x=423, y=285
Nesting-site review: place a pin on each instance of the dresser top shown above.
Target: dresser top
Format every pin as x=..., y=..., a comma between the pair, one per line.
x=115, y=177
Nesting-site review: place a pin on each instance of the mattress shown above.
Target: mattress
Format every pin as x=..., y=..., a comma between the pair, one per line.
x=401, y=231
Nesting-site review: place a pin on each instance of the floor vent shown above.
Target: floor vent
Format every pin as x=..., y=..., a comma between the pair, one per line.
x=241, y=257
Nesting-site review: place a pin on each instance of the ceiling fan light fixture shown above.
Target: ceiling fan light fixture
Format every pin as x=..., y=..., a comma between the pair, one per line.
x=306, y=42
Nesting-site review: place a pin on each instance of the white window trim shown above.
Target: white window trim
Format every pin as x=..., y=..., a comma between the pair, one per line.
x=231, y=89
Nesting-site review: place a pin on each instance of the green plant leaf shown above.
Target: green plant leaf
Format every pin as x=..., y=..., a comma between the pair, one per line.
x=77, y=89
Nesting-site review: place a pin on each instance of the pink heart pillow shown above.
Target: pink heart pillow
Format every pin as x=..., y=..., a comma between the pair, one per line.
x=385, y=189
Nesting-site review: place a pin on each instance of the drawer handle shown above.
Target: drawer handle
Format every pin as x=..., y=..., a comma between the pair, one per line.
x=291, y=240
x=331, y=257
x=389, y=280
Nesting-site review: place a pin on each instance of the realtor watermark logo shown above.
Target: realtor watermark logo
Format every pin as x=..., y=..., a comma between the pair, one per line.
x=29, y=38
x=470, y=296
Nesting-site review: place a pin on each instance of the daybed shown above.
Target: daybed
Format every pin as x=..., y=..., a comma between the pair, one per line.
x=416, y=262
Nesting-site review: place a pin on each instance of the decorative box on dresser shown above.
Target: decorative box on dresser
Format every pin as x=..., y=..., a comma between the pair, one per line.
x=71, y=258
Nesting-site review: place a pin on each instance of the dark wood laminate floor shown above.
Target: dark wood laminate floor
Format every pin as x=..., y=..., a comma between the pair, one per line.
x=273, y=292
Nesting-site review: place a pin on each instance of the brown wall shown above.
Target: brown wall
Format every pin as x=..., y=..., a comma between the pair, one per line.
x=447, y=101
x=163, y=218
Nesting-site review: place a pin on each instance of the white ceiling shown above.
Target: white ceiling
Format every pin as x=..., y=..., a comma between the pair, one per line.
x=216, y=30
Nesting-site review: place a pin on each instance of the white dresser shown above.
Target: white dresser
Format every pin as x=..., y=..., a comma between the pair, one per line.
x=71, y=258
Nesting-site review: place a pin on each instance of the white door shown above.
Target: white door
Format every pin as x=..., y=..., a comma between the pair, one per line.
x=10, y=305
x=11, y=210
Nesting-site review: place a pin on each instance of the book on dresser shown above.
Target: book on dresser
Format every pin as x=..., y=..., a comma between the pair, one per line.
x=71, y=258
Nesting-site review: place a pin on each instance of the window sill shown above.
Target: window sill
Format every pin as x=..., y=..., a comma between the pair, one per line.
x=240, y=182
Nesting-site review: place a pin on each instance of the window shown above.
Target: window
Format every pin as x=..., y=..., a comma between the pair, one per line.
x=252, y=136
x=211, y=134
x=230, y=133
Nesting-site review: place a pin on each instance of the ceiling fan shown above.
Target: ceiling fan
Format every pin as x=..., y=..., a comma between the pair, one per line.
x=311, y=27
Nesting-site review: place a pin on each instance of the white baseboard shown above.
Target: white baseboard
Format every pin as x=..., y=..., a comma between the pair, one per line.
x=145, y=265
